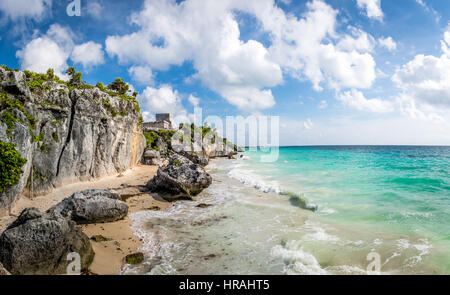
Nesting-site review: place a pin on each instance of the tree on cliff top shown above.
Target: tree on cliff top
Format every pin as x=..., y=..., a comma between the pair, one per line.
x=119, y=86
x=75, y=77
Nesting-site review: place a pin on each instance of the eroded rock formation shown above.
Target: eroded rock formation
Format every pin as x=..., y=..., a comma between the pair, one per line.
x=66, y=135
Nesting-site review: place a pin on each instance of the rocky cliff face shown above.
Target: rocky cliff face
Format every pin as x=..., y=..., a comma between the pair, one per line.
x=66, y=135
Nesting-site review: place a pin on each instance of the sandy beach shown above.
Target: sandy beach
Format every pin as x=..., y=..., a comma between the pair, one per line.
x=110, y=254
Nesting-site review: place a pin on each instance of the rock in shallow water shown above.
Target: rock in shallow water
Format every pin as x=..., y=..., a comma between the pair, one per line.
x=135, y=258
x=92, y=206
x=39, y=243
x=181, y=179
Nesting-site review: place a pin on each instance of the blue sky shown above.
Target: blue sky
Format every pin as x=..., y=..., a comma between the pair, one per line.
x=334, y=71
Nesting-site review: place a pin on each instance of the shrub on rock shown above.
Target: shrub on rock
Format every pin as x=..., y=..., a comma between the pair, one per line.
x=11, y=163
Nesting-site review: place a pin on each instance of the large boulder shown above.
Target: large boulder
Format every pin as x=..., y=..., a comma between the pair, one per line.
x=39, y=243
x=196, y=157
x=92, y=206
x=181, y=179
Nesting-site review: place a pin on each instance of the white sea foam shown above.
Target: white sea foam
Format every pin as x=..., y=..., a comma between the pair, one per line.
x=402, y=244
x=327, y=211
x=249, y=178
x=297, y=261
x=408, y=214
x=346, y=270
x=318, y=234
x=423, y=248
x=392, y=257
x=377, y=241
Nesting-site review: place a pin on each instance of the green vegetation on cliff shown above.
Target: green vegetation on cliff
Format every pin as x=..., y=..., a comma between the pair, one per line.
x=11, y=163
x=118, y=88
x=151, y=138
x=7, y=107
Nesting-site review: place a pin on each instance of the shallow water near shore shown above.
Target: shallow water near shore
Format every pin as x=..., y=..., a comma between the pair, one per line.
x=394, y=201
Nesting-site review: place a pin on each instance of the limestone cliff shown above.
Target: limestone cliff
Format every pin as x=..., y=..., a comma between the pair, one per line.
x=65, y=133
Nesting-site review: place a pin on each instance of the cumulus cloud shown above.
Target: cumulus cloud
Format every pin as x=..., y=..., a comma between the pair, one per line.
x=388, y=43
x=48, y=51
x=372, y=8
x=243, y=72
x=356, y=99
x=360, y=41
x=163, y=100
x=54, y=48
x=426, y=78
x=88, y=54
x=142, y=75
x=410, y=108
x=16, y=9
x=237, y=70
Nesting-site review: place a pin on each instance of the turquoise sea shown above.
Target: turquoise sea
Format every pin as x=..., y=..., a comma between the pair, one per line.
x=390, y=200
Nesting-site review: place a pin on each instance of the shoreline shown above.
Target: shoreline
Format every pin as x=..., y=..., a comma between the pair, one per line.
x=110, y=254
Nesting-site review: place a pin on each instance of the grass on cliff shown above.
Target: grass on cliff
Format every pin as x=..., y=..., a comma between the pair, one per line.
x=11, y=163
x=7, y=107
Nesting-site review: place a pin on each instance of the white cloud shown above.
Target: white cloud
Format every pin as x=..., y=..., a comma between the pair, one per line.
x=142, y=75
x=237, y=70
x=360, y=41
x=243, y=72
x=195, y=101
x=372, y=8
x=426, y=78
x=323, y=104
x=54, y=48
x=88, y=54
x=163, y=100
x=388, y=43
x=15, y=9
x=356, y=99
x=410, y=108
x=303, y=48
x=48, y=51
